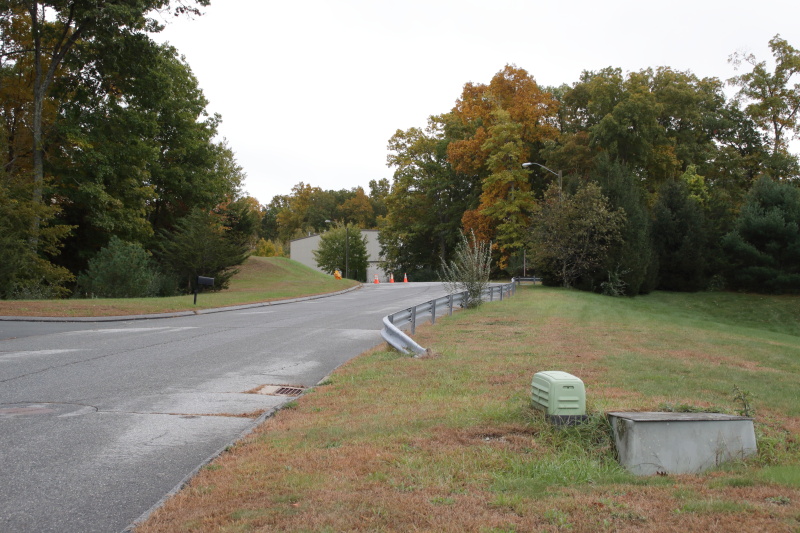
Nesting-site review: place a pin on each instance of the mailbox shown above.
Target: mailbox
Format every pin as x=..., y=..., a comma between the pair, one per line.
x=202, y=281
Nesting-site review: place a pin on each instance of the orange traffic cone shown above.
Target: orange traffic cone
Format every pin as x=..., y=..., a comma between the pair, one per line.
x=391, y=278
x=376, y=280
x=405, y=278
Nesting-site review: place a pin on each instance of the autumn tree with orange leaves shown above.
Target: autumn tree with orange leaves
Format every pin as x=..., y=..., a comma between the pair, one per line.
x=503, y=124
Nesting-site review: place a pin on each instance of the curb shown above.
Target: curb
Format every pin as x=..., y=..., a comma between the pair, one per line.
x=175, y=314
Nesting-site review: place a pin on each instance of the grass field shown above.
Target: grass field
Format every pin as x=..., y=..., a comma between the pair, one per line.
x=450, y=442
x=260, y=279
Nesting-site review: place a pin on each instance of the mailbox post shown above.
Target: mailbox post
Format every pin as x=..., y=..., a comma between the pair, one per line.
x=204, y=281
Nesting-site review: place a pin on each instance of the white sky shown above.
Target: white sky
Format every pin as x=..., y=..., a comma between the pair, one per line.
x=312, y=90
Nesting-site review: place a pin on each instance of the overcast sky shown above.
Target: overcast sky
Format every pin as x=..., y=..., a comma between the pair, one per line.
x=312, y=90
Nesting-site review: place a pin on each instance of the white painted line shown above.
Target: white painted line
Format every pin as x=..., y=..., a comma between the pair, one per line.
x=132, y=330
x=4, y=356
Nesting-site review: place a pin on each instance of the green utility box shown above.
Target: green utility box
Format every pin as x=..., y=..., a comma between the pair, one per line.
x=560, y=395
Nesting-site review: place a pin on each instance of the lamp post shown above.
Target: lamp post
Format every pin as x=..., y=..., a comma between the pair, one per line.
x=551, y=171
x=528, y=166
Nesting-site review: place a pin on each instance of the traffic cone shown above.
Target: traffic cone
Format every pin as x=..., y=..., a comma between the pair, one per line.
x=376, y=280
x=391, y=278
x=405, y=278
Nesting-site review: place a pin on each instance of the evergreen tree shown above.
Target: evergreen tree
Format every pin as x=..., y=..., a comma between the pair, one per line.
x=680, y=239
x=199, y=246
x=763, y=250
x=631, y=261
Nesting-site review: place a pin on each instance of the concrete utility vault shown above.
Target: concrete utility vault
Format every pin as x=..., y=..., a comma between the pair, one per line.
x=680, y=443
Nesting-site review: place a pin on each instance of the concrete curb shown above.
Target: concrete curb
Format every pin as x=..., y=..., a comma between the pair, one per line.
x=175, y=314
x=242, y=435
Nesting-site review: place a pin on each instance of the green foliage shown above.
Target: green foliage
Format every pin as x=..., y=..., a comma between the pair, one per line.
x=506, y=198
x=773, y=98
x=680, y=238
x=199, y=247
x=745, y=401
x=468, y=270
x=630, y=264
x=427, y=200
x=120, y=270
x=26, y=270
x=764, y=248
x=343, y=248
x=242, y=220
x=572, y=233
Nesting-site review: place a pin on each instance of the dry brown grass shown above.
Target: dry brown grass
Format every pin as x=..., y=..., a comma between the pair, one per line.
x=401, y=444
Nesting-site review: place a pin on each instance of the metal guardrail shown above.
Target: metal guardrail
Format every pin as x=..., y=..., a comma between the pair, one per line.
x=392, y=324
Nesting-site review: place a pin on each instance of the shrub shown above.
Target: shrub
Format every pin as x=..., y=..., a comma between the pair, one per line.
x=469, y=270
x=120, y=270
x=265, y=248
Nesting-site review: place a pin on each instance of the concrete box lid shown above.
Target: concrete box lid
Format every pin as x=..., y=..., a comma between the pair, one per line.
x=676, y=417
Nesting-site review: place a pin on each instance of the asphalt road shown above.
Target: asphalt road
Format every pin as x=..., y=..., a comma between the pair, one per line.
x=100, y=420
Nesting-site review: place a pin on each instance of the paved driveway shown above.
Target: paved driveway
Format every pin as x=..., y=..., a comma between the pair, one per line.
x=100, y=420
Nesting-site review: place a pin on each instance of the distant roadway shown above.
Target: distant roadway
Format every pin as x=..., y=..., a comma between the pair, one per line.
x=100, y=420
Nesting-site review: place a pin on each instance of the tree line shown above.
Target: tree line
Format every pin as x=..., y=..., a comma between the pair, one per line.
x=113, y=182
x=107, y=146
x=634, y=181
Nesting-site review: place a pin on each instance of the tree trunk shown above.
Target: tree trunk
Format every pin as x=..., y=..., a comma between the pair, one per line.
x=39, y=86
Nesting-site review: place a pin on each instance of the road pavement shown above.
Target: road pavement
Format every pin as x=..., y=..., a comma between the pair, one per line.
x=100, y=420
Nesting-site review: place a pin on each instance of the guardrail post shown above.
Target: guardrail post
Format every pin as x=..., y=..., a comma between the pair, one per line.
x=450, y=303
x=413, y=320
x=501, y=293
x=433, y=311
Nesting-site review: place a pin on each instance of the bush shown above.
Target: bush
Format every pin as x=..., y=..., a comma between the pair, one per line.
x=265, y=248
x=469, y=270
x=120, y=270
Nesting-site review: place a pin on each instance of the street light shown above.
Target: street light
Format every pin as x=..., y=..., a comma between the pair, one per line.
x=346, y=250
x=527, y=166
x=551, y=171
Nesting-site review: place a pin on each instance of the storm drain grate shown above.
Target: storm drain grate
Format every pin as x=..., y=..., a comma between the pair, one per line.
x=289, y=391
x=279, y=390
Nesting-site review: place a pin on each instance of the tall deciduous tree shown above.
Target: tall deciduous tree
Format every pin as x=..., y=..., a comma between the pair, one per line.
x=427, y=199
x=500, y=125
x=55, y=28
x=773, y=98
x=506, y=198
x=136, y=148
